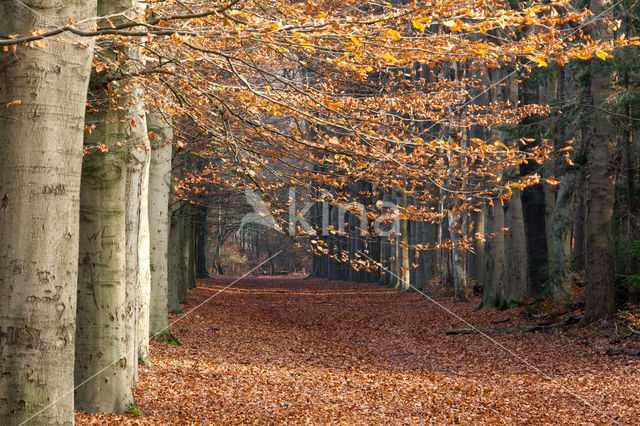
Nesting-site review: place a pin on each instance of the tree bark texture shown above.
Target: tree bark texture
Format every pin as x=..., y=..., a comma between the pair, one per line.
x=175, y=262
x=602, y=168
x=40, y=163
x=516, y=249
x=494, y=291
x=137, y=228
x=159, y=190
x=106, y=343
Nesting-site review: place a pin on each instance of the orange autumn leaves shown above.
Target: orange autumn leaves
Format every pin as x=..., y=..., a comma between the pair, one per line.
x=289, y=351
x=323, y=93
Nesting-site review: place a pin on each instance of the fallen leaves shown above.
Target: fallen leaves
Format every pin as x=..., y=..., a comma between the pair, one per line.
x=297, y=351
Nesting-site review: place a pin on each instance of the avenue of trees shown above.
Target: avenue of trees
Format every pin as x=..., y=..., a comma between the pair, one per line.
x=495, y=143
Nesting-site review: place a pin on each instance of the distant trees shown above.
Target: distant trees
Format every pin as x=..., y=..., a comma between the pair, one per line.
x=557, y=237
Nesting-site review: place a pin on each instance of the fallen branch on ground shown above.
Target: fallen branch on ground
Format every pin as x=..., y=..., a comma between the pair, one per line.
x=536, y=327
x=623, y=351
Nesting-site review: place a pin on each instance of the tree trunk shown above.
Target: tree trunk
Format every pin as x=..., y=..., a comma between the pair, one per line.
x=137, y=232
x=111, y=191
x=579, y=254
x=183, y=244
x=419, y=276
x=429, y=257
x=476, y=259
x=516, y=249
x=515, y=241
x=458, y=257
x=202, y=238
x=316, y=257
x=565, y=201
x=563, y=214
x=103, y=332
x=493, y=295
x=537, y=252
x=602, y=168
x=403, y=248
x=385, y=252
x=193, y=248
x=159, y=189
x=334, y=244
x=445, y=263
x=175, y=260
x=40, y=162
x=548, y=90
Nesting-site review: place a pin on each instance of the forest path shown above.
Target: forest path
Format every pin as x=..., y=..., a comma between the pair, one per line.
x=288, y=350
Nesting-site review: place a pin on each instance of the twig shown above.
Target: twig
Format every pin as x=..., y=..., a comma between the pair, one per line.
x=537, y=327
x=623, y=351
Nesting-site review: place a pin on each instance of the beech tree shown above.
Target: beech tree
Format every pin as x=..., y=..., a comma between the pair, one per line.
x=43, y=92
x=114, y=244
x=159, y=190
x=602, y=168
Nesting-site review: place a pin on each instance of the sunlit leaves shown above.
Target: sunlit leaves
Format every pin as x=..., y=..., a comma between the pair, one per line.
x=603, y=55
x=327, y=93
x=286, y=350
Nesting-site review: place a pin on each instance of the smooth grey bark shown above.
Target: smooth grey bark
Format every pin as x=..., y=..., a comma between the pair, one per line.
x=457, y=222
x=429, y=257
x=535, y=214
x=458, y=257
x=413, y=239
x=351, y=236
x=185, y=250
x=404, y=274
x=578, y=254
x=385, y=253
x=563, y=214
x=40, y=163
x=175, y=263
x=201, y=243
x=159, y=189
x=561, y=268
x=193, y=252
x=547, y=91
x=343, y=248
x=395, y=260
x=108, y=285
x=103, y=332
x=494, y=291
x=602, y=169
x=334, y=244
x=359, y=231
x=444, y=262
x=516, y=251
x=418, y=274
x=110, y=244
x=515, y=241
x=107, y=302
x=317, y=259
x=537, y=251
x=175, y=260
x=476, y=259
x=137, y=229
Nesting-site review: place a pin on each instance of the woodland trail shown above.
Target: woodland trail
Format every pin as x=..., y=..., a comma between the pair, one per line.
x=289, y=350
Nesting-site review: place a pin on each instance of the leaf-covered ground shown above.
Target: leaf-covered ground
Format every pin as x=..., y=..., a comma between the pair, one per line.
x=288, y=350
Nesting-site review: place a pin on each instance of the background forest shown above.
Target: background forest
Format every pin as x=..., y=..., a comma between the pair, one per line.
x=454, y=149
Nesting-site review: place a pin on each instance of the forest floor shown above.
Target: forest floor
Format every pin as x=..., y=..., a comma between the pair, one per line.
x=289, y=350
